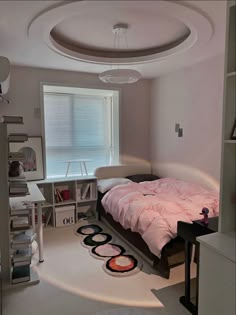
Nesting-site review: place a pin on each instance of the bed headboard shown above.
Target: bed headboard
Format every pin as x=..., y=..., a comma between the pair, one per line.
x=186, y=173
x=122, y=170
x=179, y=171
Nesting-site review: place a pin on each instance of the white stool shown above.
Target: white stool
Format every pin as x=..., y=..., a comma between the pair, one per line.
x=82, y=164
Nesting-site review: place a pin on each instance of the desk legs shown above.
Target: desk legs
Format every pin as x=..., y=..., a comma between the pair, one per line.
x=40, y=232
x=197, y=254
x=188, y=253
x=185, y=300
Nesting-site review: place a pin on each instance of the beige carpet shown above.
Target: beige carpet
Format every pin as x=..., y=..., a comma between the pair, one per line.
x=69, y=266
x=71, y=278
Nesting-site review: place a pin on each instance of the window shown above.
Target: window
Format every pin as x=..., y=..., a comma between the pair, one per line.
x=80, y=123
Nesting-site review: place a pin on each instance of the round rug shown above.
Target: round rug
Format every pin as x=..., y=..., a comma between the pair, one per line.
x=89, y=229
x=122, y=265
x=97, y=239
x=107, y=250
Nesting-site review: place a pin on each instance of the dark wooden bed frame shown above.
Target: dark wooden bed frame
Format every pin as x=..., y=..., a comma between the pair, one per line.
x=172, y=253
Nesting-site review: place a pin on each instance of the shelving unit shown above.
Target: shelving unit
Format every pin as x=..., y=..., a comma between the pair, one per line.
x=230, y=141
x=231, y=74
x=227, y=220
x=217, y=287
x=82, y=195
x=5, y=216
x=9, y=230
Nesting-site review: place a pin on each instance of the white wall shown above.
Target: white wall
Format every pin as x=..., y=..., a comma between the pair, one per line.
x=24, y=95
x=192, y=97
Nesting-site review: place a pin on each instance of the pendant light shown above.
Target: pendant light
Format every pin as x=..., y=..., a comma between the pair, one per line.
x=120, y=76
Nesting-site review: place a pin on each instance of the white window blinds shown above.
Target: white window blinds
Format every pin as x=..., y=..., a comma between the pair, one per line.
x=79, y=127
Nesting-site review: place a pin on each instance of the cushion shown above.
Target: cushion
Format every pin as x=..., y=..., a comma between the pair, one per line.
x=142, y=177
x=107, y=184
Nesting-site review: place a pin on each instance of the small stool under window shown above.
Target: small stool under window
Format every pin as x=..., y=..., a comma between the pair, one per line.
x=82, y=164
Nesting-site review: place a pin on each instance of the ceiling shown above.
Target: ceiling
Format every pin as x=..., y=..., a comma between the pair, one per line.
x=162, y=36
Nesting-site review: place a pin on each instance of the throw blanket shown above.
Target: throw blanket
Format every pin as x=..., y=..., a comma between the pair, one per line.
x=153, y=208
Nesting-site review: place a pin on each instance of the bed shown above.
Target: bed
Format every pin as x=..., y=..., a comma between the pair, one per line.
x=139, y=192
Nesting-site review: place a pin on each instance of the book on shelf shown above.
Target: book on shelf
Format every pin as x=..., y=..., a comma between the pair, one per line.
x=21, y=263
x=20, y=222
x=85, y=191
x=20, y=208
x=15, y=212
x=20, y=178
x=16, y=156
x=18, y=184
x=21, y=274
x=58, y=196
x=18, y=190
x=22, y=255
x=17, y=137
x=23, y=240
x=12, y=119
x=20, y=246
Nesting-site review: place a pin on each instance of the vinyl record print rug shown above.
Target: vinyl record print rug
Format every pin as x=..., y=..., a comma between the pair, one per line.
x=96, y=239
x=122, y=265
x=107, y=251
x=117, y=262
x=88, y=229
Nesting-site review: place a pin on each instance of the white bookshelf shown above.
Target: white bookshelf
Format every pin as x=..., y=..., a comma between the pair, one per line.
x=5, y=216
x=217, y=287
x=6, y=232
x=83, y=201
x=227, y=220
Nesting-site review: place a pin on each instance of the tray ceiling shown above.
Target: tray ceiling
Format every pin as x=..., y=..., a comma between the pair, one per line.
x=161, y=35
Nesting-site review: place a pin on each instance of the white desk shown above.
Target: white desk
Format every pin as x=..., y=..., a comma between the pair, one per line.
x=82, y=164
x=217, y=285
x=35, y=196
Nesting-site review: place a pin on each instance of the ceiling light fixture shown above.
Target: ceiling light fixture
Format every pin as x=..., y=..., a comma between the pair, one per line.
x=120, y=76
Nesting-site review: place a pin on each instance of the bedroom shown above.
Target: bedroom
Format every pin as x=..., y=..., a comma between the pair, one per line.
x=186, y=89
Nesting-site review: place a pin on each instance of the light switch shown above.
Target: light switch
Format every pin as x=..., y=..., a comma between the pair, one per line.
x=177, y=126
x=180, y=132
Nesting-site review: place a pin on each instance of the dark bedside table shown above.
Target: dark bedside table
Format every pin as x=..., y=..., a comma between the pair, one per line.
x=189, y=232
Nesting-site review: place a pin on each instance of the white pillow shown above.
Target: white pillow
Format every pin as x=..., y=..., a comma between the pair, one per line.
x=107, y=184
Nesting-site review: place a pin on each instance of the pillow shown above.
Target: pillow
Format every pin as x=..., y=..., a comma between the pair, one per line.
x=108, y=183
x=142, y=177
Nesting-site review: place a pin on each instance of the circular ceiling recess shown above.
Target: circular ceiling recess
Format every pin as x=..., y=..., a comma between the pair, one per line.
x=82, y=30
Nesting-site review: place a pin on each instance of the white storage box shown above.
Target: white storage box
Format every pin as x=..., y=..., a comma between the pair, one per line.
x=65, y=215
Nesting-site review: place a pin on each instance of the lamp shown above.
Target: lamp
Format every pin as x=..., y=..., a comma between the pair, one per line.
x=120, y=76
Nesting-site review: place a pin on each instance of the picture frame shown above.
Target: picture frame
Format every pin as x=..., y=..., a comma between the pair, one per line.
x=233, y=134
x=33, y=163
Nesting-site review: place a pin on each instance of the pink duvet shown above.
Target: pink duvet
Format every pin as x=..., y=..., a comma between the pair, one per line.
x=153, y=208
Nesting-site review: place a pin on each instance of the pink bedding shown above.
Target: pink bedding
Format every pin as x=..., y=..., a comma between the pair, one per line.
x=153, y=208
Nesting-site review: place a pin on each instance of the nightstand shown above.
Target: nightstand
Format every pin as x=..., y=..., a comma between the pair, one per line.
x=189, y=232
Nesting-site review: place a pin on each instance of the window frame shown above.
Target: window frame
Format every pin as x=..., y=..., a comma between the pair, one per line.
x=83, y=86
